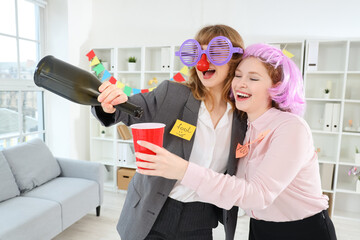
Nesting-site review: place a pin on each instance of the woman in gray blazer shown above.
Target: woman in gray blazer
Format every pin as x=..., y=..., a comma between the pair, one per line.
x=159, y=208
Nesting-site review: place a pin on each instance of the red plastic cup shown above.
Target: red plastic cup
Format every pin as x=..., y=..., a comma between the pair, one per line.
x=150, y=132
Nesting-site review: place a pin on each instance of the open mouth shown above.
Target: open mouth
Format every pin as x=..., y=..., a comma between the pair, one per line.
x=208, y=74
x=242, y=95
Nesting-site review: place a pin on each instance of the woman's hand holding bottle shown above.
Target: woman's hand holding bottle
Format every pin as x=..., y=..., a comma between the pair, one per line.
x=110, y=96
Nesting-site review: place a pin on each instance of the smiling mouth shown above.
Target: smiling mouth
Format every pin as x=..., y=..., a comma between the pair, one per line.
x=242, y=95
x=208, y=74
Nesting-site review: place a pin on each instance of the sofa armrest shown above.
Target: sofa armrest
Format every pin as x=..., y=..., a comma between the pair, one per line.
x=83, y=169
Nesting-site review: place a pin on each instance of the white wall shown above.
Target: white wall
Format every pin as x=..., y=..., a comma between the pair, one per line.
x=300, y=19
x=162, y=21
x=56, y=44
x=74, y=27
x=67, y=28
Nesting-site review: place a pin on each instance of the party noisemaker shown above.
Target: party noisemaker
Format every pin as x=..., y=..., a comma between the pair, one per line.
x=219, y=51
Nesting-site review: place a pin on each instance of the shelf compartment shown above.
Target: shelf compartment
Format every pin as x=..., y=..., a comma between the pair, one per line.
x=158, y=59
x=354, y=59
x=123, y=56
x=160, y=77
x=351, y=118
x=315, y=114
x=130, y=79
x=332, y=56
x=353, y=87
x=345, y=182
x=347, y=148
x=317, y=83
x=347, y=206
x=326, y=147
x=102, y=151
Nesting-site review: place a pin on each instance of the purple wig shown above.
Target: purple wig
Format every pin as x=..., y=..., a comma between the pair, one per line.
x=288, y=93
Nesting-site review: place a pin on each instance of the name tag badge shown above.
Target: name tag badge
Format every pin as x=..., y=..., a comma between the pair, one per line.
x=183, y=130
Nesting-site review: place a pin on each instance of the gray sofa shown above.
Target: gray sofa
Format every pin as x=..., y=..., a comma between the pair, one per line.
x=41, y=195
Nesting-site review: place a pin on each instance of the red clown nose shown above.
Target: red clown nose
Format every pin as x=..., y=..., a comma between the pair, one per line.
x=203, y=64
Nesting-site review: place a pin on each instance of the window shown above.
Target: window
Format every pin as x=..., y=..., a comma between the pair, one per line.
x=21, y=102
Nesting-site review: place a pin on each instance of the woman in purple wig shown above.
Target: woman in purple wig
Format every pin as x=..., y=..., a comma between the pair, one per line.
x=277, y=181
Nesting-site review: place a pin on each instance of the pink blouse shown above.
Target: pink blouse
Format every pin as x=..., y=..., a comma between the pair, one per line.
x=278, y=180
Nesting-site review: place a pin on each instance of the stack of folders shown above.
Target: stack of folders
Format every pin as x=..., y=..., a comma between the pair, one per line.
x=124, y=132
x=331, y=117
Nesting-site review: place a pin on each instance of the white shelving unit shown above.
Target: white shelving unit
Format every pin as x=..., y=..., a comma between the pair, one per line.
x=152, y=62
x=336, y=67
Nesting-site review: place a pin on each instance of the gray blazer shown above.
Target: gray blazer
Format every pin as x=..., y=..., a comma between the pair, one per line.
x=146, y=195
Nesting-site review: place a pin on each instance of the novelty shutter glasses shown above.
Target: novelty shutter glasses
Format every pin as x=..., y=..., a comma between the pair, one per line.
x=219, y=52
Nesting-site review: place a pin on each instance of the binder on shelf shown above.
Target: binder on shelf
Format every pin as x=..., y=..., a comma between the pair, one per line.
x=327, y=176
x=335, y=117
x=124, y=132
x=165, y=59
x=312, y=63
x=125, y=154
x=120, y=132
x=328, y=115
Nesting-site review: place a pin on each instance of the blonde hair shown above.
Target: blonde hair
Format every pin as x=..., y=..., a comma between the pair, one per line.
x=204, y=36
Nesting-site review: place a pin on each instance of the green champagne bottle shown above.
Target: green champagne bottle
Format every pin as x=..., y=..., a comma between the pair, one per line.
x=74, y=84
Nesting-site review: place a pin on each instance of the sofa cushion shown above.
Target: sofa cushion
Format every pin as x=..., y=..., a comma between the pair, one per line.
x=75, y=196
x=23, y=218
x=32, y=164
x=8, y=187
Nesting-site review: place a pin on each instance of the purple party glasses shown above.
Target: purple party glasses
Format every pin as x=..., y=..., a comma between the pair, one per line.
x=219, y=51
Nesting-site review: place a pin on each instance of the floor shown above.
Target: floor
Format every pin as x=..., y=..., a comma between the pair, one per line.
x=91, y=227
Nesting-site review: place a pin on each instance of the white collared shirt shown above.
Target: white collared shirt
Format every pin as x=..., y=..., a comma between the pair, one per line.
x=211, y=149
